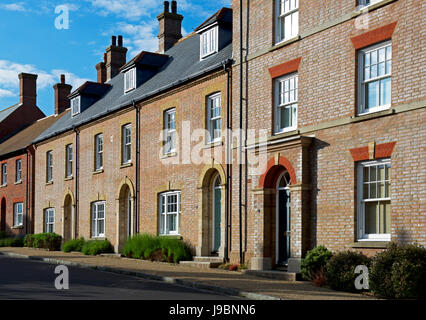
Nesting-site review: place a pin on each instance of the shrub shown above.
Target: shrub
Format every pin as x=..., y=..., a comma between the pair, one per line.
x=94, y=247
x=73, y=245
x=12, y=242
x=313, y=265
x=156, y=248
x=340, y=270
x=3, y=234
x=399, y=272
x=224, y=266
x=50, y=241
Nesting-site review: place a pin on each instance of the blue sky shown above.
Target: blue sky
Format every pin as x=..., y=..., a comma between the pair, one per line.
x=31, y=43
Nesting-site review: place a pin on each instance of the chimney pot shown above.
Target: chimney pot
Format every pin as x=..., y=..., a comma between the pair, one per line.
x=120, y=41
x=174, y=7
x=62, y=78
x=113, y=40
x=166, y=6
x=114, y=59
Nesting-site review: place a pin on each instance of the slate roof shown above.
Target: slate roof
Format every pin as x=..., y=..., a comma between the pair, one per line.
x=224, y=16
x=6, y=112
x=183, y=65
x=25, y=137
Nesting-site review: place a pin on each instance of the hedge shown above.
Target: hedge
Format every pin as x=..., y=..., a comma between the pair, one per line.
x=95, y=247
x=50, y=241
x=74, y=245
x=11, y=242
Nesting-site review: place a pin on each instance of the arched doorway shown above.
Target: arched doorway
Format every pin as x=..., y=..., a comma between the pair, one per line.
x=3, y=215
x=125, y=216
x=283, y=219
x=67, y=219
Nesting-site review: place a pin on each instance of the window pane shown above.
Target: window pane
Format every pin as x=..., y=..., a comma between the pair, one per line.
x=373, y=190
x=372, y=94
x=385, y=91
x=385, y=216
x=373, y=71
x=374, y=57
x=367, y=59
x=101, y=225
x=171, y=222
x=370, y=217
x=381, y=69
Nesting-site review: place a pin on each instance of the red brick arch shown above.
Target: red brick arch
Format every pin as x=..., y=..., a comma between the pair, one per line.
x=269, y=178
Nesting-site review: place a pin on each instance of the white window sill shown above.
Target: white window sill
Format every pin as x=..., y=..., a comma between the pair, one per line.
x=3, y=185
x=207, y=55
x=101, y=237
x=98, y=171
x=169, y=154
x=286, y=130
x=18, y=182
x=18, y=227
x=49, y=183
x=386, y=238
x=68, y=178
x=376, y=109
x=126, y=165
x=286, y=41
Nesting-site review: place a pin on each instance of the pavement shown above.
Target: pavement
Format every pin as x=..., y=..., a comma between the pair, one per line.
x=217, y=281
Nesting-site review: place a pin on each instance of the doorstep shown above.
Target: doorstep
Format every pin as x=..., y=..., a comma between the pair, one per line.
x=273, y=274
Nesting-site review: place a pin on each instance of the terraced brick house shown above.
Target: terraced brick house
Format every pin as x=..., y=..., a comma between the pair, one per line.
x=339, y=87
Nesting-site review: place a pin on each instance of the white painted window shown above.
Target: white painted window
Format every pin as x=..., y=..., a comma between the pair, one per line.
x=130, y=80
x=49, y=220
x=375, y=75
x=49, y=166
x=366, y=3
x=127, y=143
x=4, y=174
x=169, y=213
x=170, y=131
x=68, y=159
x=75, y=105
x=214, y=117
x=99, y=151
x=98, y=219
x=209, y=42
x=286, y=96
x=18, y=170
x=374, y=200
x=18, y=214
x=287, y=19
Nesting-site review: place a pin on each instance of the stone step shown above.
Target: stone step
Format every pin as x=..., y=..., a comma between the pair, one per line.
x=209, y=259
x=201, y=264
x=273, y=274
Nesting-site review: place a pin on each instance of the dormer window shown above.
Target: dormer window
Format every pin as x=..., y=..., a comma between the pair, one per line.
x=75, y=105
x=208, y=42
x=130, y=80
x=366, y=3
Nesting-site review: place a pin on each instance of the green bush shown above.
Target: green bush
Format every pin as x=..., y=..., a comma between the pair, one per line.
x=95, y=247
x=50, y=241
x=3, y=234
x=12, y=242
x=399, y=272
x=156, y=248
x=340, y=270
x=315, y=262
x=73, y=245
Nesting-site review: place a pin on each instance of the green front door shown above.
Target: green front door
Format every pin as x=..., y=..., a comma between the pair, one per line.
x=217, y=218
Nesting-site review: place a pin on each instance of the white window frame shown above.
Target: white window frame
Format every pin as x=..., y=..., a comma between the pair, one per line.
x=164, y=212
x=292, y=104
x=18, y=214
x=362, y=84
x=209, y=42
x=366, y=3
x=130, y=80
x=75, y=105
x=99, y=152
x=68, y=161
x=126, y=133
x=49, y=166
x=95, y=219
x=291, y=11
x=18, y=170
x=362, y=235
x=211, y=100
x=4, y=174
x=49, y=220
x=170, y=132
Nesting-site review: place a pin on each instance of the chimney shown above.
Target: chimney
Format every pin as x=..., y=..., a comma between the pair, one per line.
x=115, y=58
x=62, y=91
x=28, y=89
x=170, y=27
x=101, y=70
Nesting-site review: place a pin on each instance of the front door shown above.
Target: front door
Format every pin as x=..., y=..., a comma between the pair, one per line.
x=217, y=204
x=283, y=220
x=3, y=215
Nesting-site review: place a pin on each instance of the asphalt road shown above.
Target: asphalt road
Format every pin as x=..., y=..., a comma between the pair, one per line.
x=28, y=280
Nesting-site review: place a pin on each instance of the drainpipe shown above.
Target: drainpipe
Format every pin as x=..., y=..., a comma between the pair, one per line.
x=77, y=169
x=241, y=136
x=27, y=200
x=227, y=67
x=137, y=165
x=246, y=132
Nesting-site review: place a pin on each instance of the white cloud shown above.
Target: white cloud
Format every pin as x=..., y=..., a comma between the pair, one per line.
x=131, y=9
x=18, y=6
x=139, y=37
x=9, y=77
x=6, y=93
